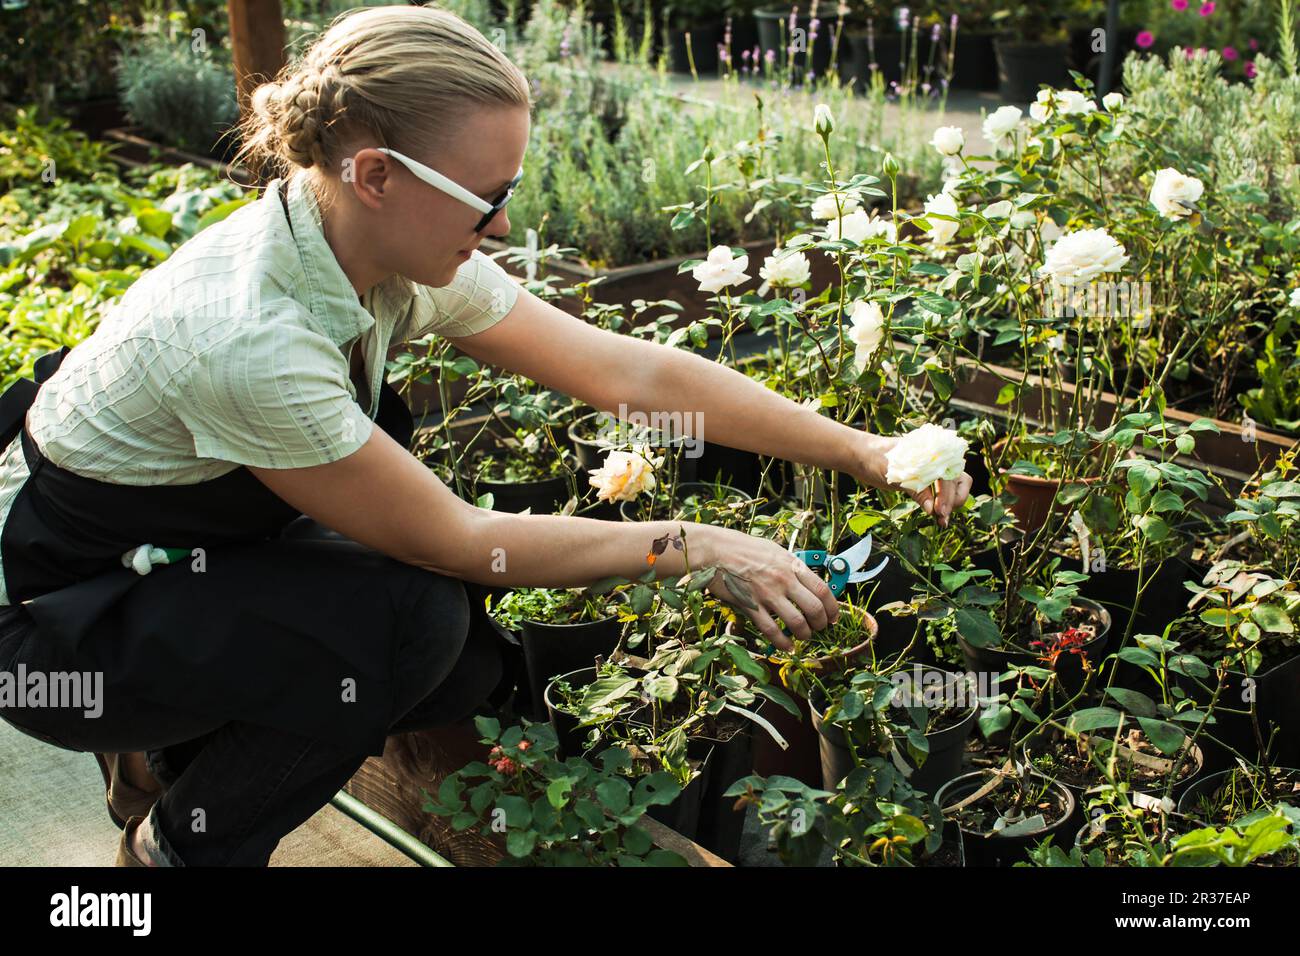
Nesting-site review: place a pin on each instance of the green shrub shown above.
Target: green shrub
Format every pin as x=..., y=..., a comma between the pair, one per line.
x=177, y=92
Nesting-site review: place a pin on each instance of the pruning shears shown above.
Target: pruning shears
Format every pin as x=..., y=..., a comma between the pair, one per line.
x=842, y=567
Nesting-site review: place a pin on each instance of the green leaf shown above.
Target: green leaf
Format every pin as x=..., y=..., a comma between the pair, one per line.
x=1272, y=619
x=1094, y=718
x=1135, y=702
x=520, y=843
x=518, y=811
x=977, y=627
x=1167, y=738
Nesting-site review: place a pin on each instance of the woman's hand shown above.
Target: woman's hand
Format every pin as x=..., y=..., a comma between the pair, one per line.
x=950, y=495
x=778, y=583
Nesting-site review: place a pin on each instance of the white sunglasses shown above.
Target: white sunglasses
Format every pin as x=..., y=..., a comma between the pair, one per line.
x=452, y=188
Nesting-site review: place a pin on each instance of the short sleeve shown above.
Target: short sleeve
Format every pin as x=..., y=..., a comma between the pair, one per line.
x=273, y=395
x=481, y=295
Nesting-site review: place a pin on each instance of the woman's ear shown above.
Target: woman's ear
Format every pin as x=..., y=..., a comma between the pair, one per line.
x=369, y=173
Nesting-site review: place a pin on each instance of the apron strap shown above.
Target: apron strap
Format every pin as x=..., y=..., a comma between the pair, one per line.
x=19, y=396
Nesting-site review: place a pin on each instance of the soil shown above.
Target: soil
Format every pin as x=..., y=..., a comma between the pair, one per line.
x=1223, y=806
x=1064, y=762
x=979, y=817
x=946, y=855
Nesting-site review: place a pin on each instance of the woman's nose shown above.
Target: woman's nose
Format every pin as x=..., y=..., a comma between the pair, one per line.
x=499, y=226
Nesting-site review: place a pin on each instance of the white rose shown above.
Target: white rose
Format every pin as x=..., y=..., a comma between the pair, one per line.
x=857, y=226
x=1172, y=193
x=1295, y=298
x=998, y=210
x=941, y=231
x=785, y=270
x=625, y=474
x=1001, y=123
x=822, y=120
x=924, y=456
x=1042, y=107
x=1079, y=257
x=824, y=206
x=1112, y=101
x=867, y=331
x=1072, y=102
x=720, y=270
x=948, y=140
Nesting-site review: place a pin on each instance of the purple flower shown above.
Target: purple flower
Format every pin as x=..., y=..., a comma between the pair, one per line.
x=1253, y=43
x=1145, y=39
x=1230, y=53
x=1250, y=69
x=952, y=23
x=1178, y=4
x=904, y=17
x=770, y=57
x=1207, y=8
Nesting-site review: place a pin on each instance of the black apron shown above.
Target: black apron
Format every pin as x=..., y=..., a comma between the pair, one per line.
x=61, y=550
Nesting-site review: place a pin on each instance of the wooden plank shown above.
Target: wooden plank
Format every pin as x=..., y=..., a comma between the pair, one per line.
x=1230, y=453
x=669, y=839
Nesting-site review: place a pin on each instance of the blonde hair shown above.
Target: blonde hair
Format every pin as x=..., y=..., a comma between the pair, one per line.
x=404, y=75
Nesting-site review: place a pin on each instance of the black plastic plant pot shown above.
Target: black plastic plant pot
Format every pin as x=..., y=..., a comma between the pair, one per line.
x=542, y=497
x=951, y=852
x=975, y=66
x=947, y=747
x=1117, y=590
x=993, y=661
x=1276, y=694
x=552, y=649
x=742, y=470
x=995, y=848
x=683, y=814
x=1023, y=67
x=1038, y=742
x=1205, y=787
x=591, y=452
x=721, y=825
x=570, y=736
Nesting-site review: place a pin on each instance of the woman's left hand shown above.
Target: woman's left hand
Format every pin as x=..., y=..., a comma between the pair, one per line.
x=941, y=503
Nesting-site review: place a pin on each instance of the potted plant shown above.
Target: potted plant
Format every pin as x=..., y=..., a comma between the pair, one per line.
x=1003, y=812
x=873, y=818
x=553, y=812
x=561, y=630
x=921, y=717
x=1031, y=49
x=1083, y=761
x=842, y=646
x=1244, y=796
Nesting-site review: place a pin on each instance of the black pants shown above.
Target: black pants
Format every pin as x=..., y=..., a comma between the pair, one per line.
x=237, y=788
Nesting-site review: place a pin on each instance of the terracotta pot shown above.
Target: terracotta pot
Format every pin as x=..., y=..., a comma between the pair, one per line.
x=802, y=759
x=1034, y=496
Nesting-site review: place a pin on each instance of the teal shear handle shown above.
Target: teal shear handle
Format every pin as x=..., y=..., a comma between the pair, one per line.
x=837, y=567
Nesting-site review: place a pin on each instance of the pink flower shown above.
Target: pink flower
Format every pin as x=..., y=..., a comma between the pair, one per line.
x=1145, y=39
x=1250, y=69
x=1178, y=4
x=1207, y=8
x=1229, y=52
x=1253, y=43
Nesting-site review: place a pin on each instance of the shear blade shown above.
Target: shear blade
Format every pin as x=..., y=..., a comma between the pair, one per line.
x=857, y=555
x=858, y=576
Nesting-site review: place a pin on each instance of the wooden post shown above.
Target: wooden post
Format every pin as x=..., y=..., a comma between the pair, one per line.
x=257, y=43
